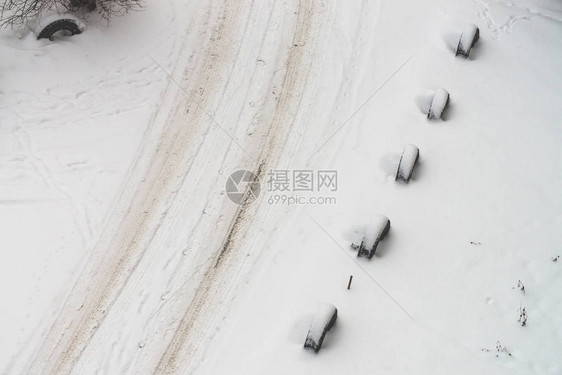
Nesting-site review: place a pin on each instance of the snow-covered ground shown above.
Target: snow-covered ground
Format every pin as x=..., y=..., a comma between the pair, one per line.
x=123, y=254
x=73, y=114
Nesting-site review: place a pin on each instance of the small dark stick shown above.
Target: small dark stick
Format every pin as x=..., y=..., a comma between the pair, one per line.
x=349, y=283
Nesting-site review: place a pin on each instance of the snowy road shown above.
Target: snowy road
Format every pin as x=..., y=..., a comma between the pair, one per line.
x=231, y=103
x=137, y=262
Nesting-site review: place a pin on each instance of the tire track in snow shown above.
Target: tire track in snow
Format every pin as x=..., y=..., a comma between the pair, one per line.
x=220, y=276
x=151, y=196
x=135, y=222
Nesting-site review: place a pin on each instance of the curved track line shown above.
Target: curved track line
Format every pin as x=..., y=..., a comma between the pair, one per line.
x=173, y=143
x=220, y=276
x=121, y=247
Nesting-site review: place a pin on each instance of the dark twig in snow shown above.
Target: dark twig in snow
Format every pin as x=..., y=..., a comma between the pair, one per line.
x=520, y=286
x=501, y=349
x=522, y=316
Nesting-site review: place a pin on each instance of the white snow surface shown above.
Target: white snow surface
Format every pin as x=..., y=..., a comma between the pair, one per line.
x=121, y=253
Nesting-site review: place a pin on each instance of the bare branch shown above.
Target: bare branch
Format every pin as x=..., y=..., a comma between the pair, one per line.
x=16, y=13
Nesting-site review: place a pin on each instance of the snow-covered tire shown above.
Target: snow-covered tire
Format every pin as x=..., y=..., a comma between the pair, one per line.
x=407, y=163
x=438, y=104
x=49, y=26
x=469, y=37
x=323, y=321
x=376, y=231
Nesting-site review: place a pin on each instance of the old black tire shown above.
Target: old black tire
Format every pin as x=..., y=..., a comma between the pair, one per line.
x=68, y=25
